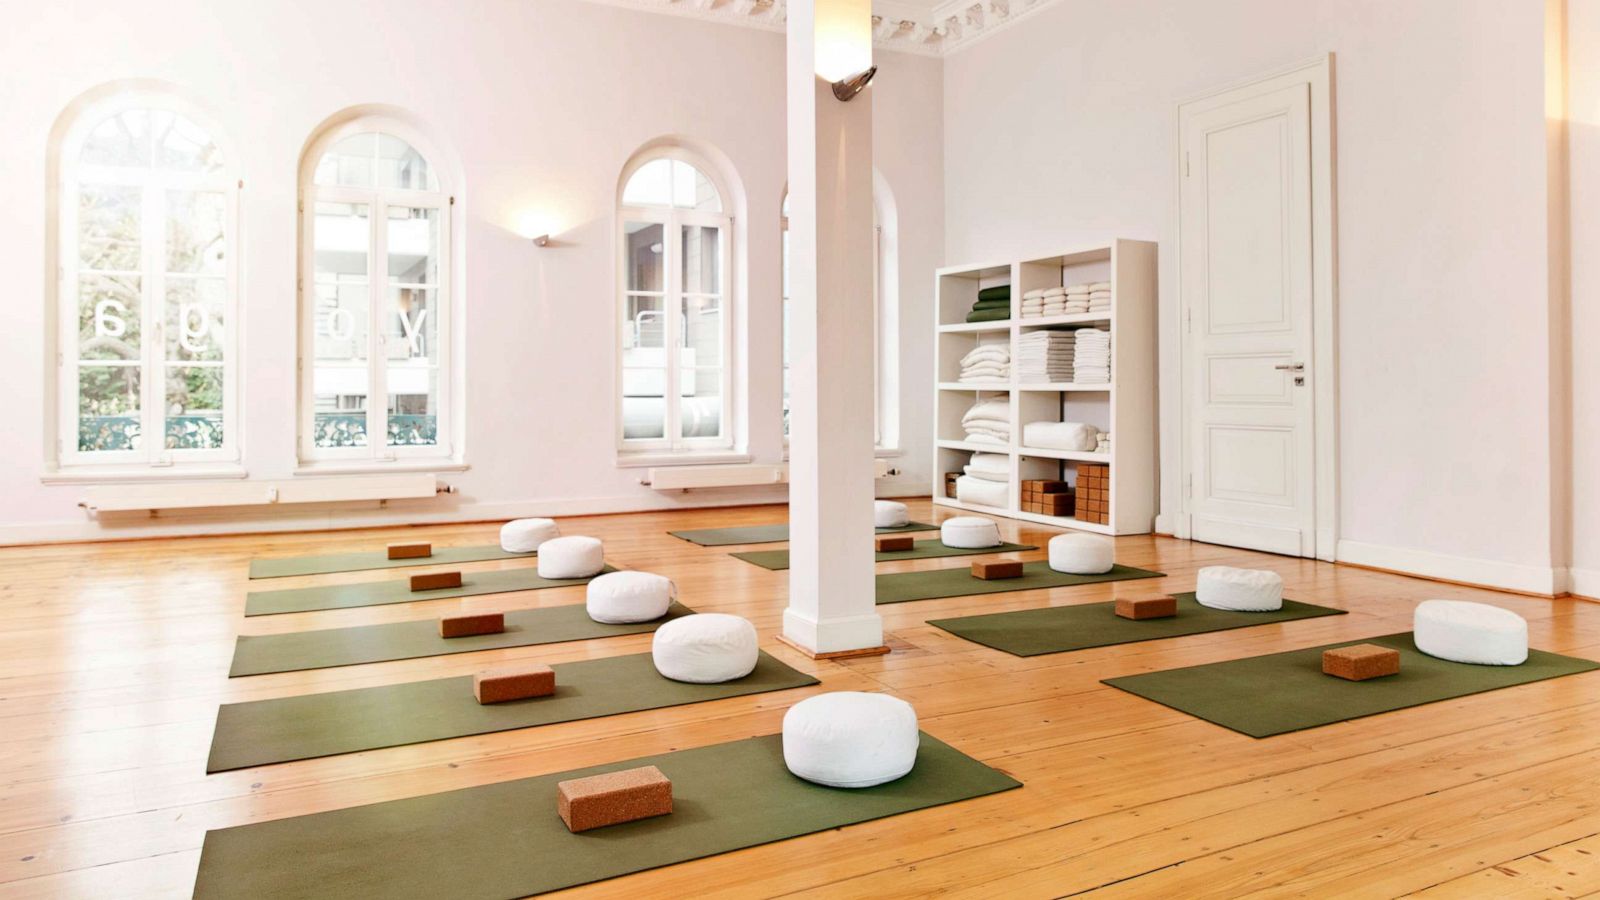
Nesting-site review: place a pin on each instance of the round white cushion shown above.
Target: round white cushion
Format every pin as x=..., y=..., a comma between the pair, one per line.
x=618, y=598
x=1466, y=632
x=889, y=514
x=525, y=535
x=1241, y=590
x=849, y=739
x=574, y=556
x=1082, y=554
x=969, y=532
x=705, y=648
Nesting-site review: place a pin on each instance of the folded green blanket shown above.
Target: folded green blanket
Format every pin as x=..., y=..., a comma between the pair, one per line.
x=992, y=304
x=1001, y=292
x=989, y=315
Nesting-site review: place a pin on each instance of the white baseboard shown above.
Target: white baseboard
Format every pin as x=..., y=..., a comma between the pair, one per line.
x=1584, y=582
x=1486, y=572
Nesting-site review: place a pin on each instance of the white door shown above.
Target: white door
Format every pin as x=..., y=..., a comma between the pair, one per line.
x=1246, y=282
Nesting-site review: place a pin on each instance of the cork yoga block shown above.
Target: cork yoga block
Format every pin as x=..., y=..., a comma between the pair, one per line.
x=1147, y=607
x=1360, y=662
x=887, y=542
x=519, y=683
x=410, y=551
x=435, y=580
x=990, y=570
x=466, y=626
x=613, y=798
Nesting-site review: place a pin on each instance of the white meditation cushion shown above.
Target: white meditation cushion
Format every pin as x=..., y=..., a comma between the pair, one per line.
x=574, y=556
x=1466, y=632
x=1241, y=590
x=619, y=598
x=889, y=514
x=969, y=533
x=850, y=739
x=705, y=648
x=525, y=535
x=1082, y=554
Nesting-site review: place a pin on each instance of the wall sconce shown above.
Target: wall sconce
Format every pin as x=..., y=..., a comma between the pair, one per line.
x=846, y=89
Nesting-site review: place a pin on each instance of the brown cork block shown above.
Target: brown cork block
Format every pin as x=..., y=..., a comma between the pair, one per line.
x=1147, y=607
x=433, y=581
x=469, y=625
x=514, y=683
x=1360, y=662
x=410, y=551
x=1056, y=504
x=1045, y=486
x=613, y=798
x=887, y=542
x=990, y=570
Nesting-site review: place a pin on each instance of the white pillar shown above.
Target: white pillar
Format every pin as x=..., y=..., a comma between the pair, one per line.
x=831, y=587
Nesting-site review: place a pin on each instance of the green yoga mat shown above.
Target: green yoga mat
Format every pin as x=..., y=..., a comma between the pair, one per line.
x=382, y=593
x=939, y=583
x=282, y=567
x=264, y=732
x=769, y=534
x=295, y=651
x=778, y=560
x=505, y=840
x=1281, y=692
x=1056, y=629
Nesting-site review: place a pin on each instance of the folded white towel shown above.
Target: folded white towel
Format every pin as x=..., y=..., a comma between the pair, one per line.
x=989, y=408
x=1034, y=294
x=1072, y=436
x=996, y=352
x=981, y=492
x=992, y=463
x=1054, y=292
x=1099, y=285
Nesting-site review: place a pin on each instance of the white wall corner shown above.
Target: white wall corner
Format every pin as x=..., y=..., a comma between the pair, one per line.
x=1584, y=582
x=1486, y=572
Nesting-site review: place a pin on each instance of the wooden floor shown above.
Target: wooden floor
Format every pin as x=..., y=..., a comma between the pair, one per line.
x=114, y=657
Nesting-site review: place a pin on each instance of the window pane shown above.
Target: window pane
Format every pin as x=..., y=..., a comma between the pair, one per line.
x=339, y=417
x=646, y=256
x=119, y=140
x=702, y=332
x=108, y=227
x=645, y=328
x=702, y=269
x=184, y=146
x=195, y=239
x=644, y=417
x=399, y=165
x=650, y=185
x=413, y=404
x=343, y=238
x=194, y=319
x=412, y=325
x=349, y=162
x=108, y=408
x=700, y=409
x=413, y=245
x=691, y=189
x=194, y=408
x=108, y=317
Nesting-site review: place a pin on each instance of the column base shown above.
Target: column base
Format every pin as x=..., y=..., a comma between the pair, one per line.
x=837, y=654
x=830, y=636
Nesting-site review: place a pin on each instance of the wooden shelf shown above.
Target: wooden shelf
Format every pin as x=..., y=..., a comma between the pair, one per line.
x=975, y=326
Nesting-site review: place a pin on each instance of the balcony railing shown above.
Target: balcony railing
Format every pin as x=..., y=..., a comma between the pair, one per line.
x=350, y=430
x=199, y=432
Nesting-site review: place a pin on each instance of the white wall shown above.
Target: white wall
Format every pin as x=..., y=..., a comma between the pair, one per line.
x=1063, y=132
x=1583, y=109
x=542, y=101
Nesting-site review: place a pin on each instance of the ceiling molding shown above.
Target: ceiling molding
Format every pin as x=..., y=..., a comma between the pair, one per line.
x=902, y=25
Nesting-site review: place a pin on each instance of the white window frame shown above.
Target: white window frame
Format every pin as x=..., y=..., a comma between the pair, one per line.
x=378, y=200
x=672, y=220
x=152, y=363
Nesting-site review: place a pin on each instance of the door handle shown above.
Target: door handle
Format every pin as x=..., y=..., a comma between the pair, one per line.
x=1290, y=367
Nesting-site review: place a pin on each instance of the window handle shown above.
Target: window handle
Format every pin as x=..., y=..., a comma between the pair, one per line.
x=1290, y=367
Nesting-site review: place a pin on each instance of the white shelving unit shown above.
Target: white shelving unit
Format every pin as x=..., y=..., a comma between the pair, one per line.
x=1126, y=406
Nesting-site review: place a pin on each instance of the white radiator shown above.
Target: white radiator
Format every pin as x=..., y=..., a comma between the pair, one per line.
x=684, y=478
x=198, y=494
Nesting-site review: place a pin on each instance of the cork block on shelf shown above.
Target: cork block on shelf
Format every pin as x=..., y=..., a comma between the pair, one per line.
x=433, y=581
x=514, y=683
x=613, y=798
x=990, y=570
x=410, y=551
x=468, y=625
x=1360, y=662
x=1044, y=486
x=1147, y=607
x=885, y=543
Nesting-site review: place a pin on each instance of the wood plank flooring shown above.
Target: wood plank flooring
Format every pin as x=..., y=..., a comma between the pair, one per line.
x=114, y=656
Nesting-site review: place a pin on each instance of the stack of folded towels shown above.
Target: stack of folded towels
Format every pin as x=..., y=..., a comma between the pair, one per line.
x=987, y=480
x=1091, y=356
x=986, y=364
x=1075, y=437
x=994, y=305
x=1100, y=297
x=989, y=466
x=1045, y=356
x=1089, y=297
x=1103, y=444
x=989, y=422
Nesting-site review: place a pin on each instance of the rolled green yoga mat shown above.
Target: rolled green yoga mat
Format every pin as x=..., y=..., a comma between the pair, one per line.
x=506, y=840
x=939, y=583
x=1056, y=629
x=381, y=593
x=1281, y=692
x=777, y=560
x=264, y=732
x=282, y=567
x=295, y=651
x=768, y=534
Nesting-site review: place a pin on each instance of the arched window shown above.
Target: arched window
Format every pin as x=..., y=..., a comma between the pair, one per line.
x=375, y=292
x=148, y=298
x=676, y=330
